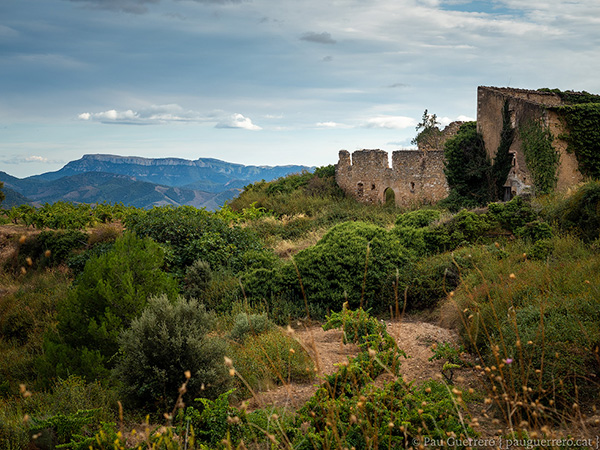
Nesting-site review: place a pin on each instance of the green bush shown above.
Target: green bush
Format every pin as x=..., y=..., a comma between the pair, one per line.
x=397, y=415
x=419, y=218
x=249, y=325
x=111, y=291
x=433, y=278
x=192, y=234
x=77, y=262
x=534, y=231
x=272, y=358
x=214, y=422
x=513, y=214
x=164, y=342
x=541, y=249
x=197, y=279
x=579, y=213
x=355, y=262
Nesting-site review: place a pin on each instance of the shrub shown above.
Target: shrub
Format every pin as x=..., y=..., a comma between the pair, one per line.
x=534, y=231
x=249, y=325
x=580, y=213
x=213, y=423
x=419, y=218
x=193, y=234
x=355, y=262
x=397, y=415
x=50, y=248
x=164, y=342
x=513, y=214
x=272, y=358
x=112, y=290
x=197, y=279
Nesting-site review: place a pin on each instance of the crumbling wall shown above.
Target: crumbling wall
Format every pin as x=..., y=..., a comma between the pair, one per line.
x=415, y=176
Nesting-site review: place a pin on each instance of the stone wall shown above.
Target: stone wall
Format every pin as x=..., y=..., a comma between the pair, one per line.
x=415, y=177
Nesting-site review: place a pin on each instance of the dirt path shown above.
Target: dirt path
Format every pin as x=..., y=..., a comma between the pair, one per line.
x=327, y=350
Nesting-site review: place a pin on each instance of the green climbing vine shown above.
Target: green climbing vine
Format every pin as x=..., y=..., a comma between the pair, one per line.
x=583, y=136
x=541, y=158
x=503, y=160
x=572, y=97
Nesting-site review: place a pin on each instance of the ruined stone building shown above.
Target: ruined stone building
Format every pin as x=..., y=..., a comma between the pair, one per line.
x=417, y=176
x=524, y=105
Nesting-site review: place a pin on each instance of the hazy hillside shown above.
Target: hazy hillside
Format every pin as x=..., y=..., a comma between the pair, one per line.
x=13, y=198
x=142, y=182
x=97, y=187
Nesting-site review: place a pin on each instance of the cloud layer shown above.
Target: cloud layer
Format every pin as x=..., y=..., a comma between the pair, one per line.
x=164, y=114
x=312, y=77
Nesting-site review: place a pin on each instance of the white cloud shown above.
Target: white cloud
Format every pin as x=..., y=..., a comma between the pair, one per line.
x=171, y=113
x=237, y=121
x=447, y=120
x=155, y=114
x=332, y=125
x=390, y=122
x=35, y=158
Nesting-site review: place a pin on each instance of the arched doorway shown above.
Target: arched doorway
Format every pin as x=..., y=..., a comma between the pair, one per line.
x=389, y=198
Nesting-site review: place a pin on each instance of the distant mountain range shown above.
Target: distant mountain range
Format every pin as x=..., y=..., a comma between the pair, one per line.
x=141, y=182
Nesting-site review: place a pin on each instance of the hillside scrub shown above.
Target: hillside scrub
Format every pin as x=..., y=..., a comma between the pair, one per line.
x=578, y=213
x=536, y=321
x=189, y=234
x=522, y=292
x=111, y=291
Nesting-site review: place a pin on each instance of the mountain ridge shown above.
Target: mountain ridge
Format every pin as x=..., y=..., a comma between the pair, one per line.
x=144, y=182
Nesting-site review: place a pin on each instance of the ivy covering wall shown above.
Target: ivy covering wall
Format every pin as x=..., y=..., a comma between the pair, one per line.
x=541, y=158
x=583, y=136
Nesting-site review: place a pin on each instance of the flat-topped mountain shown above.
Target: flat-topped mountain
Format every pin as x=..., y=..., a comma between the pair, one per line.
x=208, y=174
x=143, y=182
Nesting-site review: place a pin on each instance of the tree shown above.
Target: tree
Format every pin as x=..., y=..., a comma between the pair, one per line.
x=429, y=135
x=467, y=167
x=111, y=291
x=2, y=196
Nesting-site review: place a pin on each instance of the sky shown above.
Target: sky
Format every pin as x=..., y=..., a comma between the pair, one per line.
x=268, y=82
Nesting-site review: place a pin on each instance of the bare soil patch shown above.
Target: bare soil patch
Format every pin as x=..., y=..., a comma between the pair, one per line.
x=328, y=350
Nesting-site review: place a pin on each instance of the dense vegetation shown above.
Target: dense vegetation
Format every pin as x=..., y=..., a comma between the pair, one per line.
x=176, y=313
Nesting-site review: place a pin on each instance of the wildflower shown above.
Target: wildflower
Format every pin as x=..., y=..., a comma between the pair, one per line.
x=508, y=361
